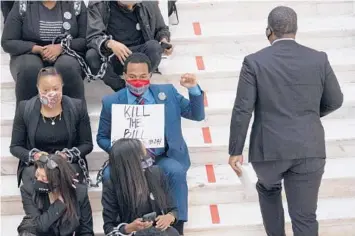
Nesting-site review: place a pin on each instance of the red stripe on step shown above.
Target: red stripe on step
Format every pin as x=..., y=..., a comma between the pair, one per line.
x=199, y=63
x=206, y=135
x=205, y=101
x=211, y=177
x=214, y=214
x=197, y=28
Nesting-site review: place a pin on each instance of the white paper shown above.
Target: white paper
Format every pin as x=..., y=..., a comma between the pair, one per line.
x=144, y=122
x=248, y=186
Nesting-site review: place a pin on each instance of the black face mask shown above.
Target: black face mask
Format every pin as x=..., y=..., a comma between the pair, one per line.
x=41, y=187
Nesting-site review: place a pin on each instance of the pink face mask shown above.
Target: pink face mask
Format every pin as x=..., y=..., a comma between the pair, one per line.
x=49, y=99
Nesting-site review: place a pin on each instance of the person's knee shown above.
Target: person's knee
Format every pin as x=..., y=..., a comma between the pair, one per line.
x=176, y=172
x=30, y=65
x=153, y=45
x=67, y=64
x=263, y=187
x=153, y=48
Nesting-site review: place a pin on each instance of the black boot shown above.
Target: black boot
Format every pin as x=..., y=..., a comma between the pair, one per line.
x=115, y=83
x=179, y=226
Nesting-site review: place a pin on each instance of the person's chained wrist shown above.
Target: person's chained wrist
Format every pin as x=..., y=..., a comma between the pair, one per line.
x=174, y=219
x=34, y=154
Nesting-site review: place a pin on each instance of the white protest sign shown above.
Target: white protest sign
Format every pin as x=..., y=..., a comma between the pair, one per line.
x=143, y=122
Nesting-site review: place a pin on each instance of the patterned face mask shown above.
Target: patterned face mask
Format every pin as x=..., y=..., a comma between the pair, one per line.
x=137, y=87
x=49, y=99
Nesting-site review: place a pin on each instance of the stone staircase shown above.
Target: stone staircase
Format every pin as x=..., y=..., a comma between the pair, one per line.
x=211, y=40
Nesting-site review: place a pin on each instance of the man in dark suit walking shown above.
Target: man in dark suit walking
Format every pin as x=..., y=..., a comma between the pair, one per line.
x=290, y=87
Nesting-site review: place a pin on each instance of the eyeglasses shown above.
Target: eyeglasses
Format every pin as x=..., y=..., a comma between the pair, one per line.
x=48, y=161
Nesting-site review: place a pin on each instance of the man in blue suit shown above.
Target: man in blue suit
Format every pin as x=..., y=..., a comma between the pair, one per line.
x=174, y=159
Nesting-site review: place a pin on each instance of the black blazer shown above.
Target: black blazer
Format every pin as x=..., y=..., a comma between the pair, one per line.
x=21, y=33
x=47, y=218
x=23, y=137
x=113, y=215
x=290, y=86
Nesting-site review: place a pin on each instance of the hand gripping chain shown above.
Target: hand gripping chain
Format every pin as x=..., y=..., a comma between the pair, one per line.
x=65, y=40
x=72, y=155
x=75, y=153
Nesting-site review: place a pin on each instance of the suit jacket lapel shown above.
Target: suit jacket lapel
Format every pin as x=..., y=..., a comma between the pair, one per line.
x=123, y=98
x=67, y=116
x=155, y=92
x=33, y=123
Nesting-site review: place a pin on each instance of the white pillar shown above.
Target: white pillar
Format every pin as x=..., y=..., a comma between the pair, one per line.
x=163, y=5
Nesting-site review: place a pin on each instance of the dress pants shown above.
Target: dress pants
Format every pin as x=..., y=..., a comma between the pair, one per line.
x=176, y=175
x=302, y=179
x=112, y=78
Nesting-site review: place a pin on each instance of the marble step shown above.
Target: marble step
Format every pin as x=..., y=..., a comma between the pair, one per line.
x=210, y=184
x=217, y=112
x=220, y=48
x=336, y=217
x=202, y=30
x=209, y=145
x=222, y=65
x=225, y=10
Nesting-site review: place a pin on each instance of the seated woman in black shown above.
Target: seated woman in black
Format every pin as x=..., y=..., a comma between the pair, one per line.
x=57, y=205
x=27, y=36
x=134, y=190
x=50, y=123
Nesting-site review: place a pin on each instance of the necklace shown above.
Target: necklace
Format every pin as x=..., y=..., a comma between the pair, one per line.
x=52, y=118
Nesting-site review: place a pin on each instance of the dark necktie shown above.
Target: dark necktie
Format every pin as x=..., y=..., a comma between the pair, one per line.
x=151, y=151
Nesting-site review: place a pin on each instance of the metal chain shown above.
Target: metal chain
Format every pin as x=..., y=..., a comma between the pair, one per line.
x=100, y=174
x=65, y=41
x=31, y=155
x=116, y=231
x=75, y=152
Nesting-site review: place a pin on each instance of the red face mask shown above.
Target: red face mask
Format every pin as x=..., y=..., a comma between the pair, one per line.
x=137, y=87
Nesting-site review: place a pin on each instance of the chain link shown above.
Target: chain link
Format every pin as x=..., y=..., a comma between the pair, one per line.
x=75, y=152
x=65, y=41
x=100, y=174
x=31, y=155
x=116, y=231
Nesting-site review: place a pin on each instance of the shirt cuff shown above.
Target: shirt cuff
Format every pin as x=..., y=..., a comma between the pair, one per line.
x=195, y=91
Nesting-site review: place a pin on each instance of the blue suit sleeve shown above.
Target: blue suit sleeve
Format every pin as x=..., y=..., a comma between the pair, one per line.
x=192, y=109
x=195, y=91
x=103, y=137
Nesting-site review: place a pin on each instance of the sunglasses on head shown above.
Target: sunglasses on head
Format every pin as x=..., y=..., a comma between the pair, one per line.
x=48, y=161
